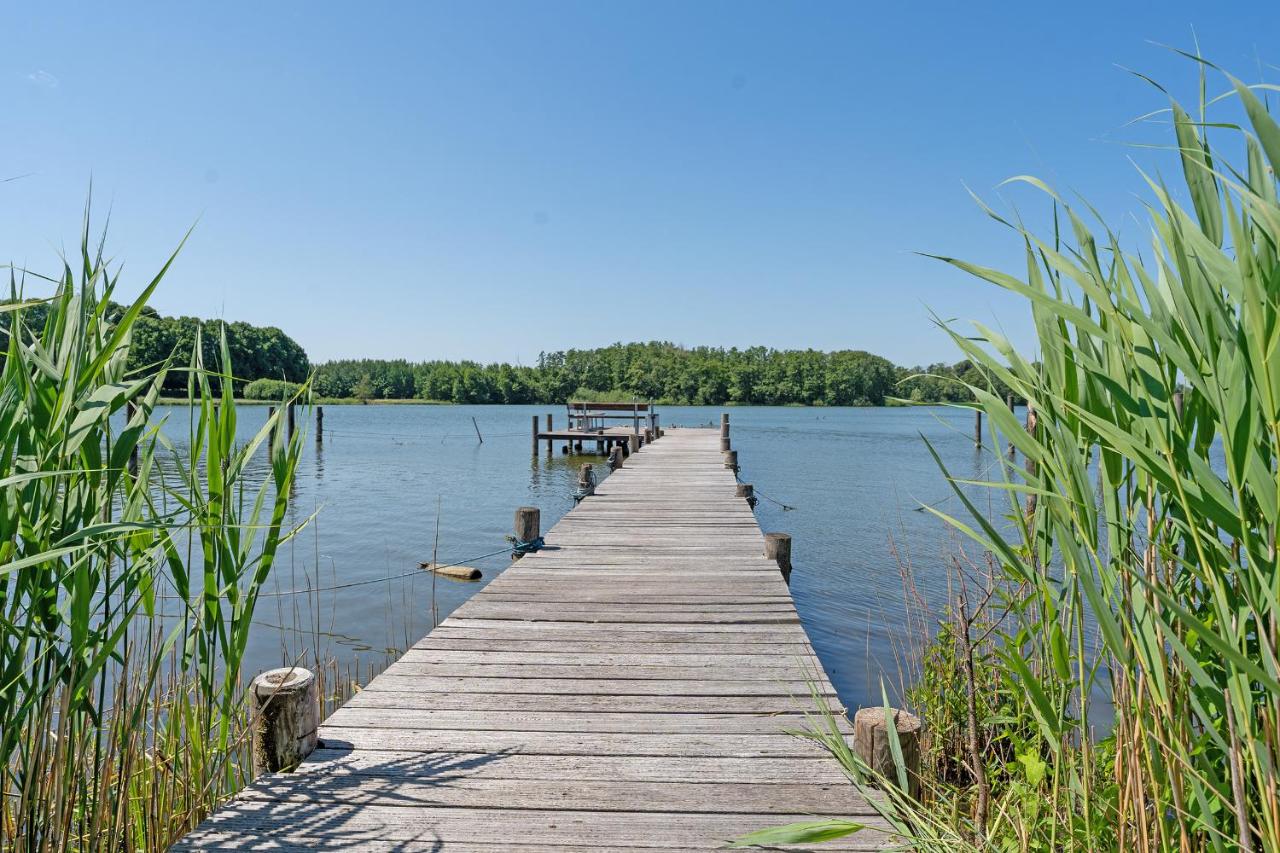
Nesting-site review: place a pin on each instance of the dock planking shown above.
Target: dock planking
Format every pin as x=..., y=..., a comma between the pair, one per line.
x=629, y=688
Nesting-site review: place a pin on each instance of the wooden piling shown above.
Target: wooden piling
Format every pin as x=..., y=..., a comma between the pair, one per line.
x=777, y=547
x=550, y=441
x=731, y=460
x=745, y=490
x=586, y=479
x=871, y=744
x=725, y=445
x=319, y=424
x=477, y=427
x=292, y=424
x=615, y=458
x=535, y=435
x=528, y=526
x=648, y=435
x=724, y=424
x=635, y=441
x=977, y=427
x=271, y=435
x=287, y=711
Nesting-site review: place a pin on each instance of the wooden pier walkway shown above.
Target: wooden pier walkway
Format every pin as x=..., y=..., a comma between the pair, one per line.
x=626, y=689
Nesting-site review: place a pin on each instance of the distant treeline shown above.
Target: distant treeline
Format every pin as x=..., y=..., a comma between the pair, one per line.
x=662, y=372
x=257, y=352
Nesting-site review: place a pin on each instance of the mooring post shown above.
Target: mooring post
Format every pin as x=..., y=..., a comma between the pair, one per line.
x=131, y=409
x=746, y=490
x=586, y=480
x=287, y=708
x=291, y=421
x=528, y=527
x=550, y=441
x=319, y=424
x=724, y=424
x=977, y=427
x=648, y=435
x=871, y=744
x=724, y=444
x=535, y=435
x=777, y=547
x=615, y=457
x=271, y=436
x=731, y=460
x=635, y=442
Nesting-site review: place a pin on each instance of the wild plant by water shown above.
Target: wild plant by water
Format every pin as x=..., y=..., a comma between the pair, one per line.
x=130, y=567
x=1138, y=557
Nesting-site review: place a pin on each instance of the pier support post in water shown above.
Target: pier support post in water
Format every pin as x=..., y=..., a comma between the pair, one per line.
x=871, y=743
x=635, y=442
x=777, y=547
x=615, y=457
x=291, y=420
x=535, y=435
x=551, y=448
x=586, y=481
x=725, y=445
x=746, y=490
x=977, y=427
x=648, y=435
x=319, y=424
x=287, y=707
x=731, y=460
x=271, y=436
x=724, y=424
x=528, y=528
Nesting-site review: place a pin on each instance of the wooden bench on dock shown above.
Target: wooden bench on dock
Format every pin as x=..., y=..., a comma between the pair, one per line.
x=625, y=688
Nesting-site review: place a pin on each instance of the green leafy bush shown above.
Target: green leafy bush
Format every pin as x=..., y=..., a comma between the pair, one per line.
x=271, y=389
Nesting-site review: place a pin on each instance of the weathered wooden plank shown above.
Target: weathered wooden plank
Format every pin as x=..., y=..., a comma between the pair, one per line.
x=610, y=722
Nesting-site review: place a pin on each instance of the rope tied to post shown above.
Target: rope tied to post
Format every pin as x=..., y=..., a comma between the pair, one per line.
x=520, y=547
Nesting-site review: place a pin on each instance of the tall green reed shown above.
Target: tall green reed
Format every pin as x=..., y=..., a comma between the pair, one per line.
x=1144, y=512
x=129, y=572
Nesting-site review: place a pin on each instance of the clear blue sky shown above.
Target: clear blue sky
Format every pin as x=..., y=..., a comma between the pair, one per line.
x=487, y=180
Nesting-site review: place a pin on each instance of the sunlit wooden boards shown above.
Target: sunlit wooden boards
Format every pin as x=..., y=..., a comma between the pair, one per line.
x=628, y=688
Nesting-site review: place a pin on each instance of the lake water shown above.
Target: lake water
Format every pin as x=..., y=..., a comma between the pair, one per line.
x=386, y=474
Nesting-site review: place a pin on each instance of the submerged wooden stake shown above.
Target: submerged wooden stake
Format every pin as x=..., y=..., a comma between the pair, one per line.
x=287, y=706
x=871, y=744
x=777, y=547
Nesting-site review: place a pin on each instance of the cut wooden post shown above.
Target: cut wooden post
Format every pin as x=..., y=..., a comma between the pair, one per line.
x=977, y=427
x=615, y=458
x=271, y=436
x=535, y=435
x=746, y=490
x=635, y=442
x=586, y=480
x=287, y=705
x=725, y=444
x=1032, y=469
x=528, y=527
x=724, y=425
x=777, y=547
x=626, y=447
x=648, y=435
x=731, y=460
x=871, y=744
x=550, y=440
x=319, y=424
x=289, y=411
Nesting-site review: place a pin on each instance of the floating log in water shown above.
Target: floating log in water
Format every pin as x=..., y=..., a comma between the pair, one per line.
x=460, y=573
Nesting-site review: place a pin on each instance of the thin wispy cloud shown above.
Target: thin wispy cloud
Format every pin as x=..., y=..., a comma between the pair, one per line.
x=43, y=78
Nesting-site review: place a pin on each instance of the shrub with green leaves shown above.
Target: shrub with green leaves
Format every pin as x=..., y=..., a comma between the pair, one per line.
x=271, y=389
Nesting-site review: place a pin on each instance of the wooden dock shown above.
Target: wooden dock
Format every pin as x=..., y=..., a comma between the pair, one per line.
x=626, y=688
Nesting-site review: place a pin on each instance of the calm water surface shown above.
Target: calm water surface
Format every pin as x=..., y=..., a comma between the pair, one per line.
x=385, y=475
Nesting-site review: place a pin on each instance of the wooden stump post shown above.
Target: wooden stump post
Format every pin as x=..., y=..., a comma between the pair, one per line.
x=271, y=436
x=287, y=705
x=777, y=547
x=746, y=490
x=535, y=435
x=724, y=444
x=871, y=744
x=731, y=460
x=724, y=424
x=615, y=458
x=319, y=424
x=977, y=427
x=648, y=435
x=636, y=441
x=528, y=526
x=550, y=441
x=292, y=423
x=586, y=479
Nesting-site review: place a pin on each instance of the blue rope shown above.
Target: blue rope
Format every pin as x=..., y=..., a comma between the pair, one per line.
x=520, y=547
